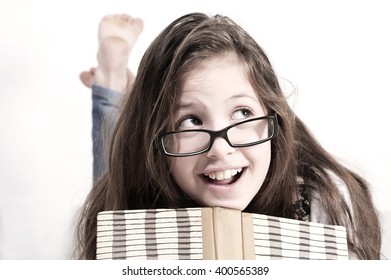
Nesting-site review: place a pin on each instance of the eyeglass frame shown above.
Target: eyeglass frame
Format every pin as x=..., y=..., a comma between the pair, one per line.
x=215, y=134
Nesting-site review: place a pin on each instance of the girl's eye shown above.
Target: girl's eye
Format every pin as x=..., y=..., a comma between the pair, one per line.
x=188, y=123
x=242, y=113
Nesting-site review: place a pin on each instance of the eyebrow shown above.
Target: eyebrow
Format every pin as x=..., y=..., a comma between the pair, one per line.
x=236, y=96
x=183, y=105
x=240, y=95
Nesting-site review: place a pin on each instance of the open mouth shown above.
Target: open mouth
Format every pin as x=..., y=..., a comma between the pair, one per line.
x=226, y=177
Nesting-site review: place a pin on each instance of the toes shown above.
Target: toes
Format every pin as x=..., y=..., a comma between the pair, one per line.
x=126, y=18
x=138, y=25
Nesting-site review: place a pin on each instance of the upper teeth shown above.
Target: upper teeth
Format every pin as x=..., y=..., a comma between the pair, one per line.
x=221, y=175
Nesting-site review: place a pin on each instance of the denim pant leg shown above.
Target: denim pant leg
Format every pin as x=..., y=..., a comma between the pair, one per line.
x=104, y=115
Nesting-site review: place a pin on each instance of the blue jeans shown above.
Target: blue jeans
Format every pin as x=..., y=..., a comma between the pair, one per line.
x=104, y=116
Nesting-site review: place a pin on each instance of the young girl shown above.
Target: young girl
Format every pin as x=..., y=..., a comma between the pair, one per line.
x=205, y=123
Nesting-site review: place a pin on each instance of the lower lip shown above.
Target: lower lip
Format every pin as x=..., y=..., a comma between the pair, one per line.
x=223, y=189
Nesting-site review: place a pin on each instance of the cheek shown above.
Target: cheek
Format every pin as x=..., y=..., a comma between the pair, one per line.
x=261, y=159
x=267, y=155
x=182, y=170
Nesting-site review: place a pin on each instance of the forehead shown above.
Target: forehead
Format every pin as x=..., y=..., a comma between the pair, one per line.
x=215, y=62
x=221, y=75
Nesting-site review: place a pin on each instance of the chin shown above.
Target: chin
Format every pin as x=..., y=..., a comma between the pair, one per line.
x=235, y=206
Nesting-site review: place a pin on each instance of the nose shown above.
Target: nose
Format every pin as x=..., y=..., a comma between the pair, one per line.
x=220, y=148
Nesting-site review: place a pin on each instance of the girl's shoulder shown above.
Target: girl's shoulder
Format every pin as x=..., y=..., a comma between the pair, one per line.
x=309, y=206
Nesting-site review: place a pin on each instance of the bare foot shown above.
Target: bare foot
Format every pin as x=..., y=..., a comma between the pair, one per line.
x=117, y=35
x=88, y=77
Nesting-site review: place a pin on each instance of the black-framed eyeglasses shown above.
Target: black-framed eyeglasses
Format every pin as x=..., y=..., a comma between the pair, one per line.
x=192, y=142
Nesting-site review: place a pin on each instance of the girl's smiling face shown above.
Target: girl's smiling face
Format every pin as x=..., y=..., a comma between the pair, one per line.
x=214, y=95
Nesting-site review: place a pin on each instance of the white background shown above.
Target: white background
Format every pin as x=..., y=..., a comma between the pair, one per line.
x=336, y=53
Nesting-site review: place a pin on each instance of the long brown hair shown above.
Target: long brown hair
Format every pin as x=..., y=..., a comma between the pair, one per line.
x=138, y=175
